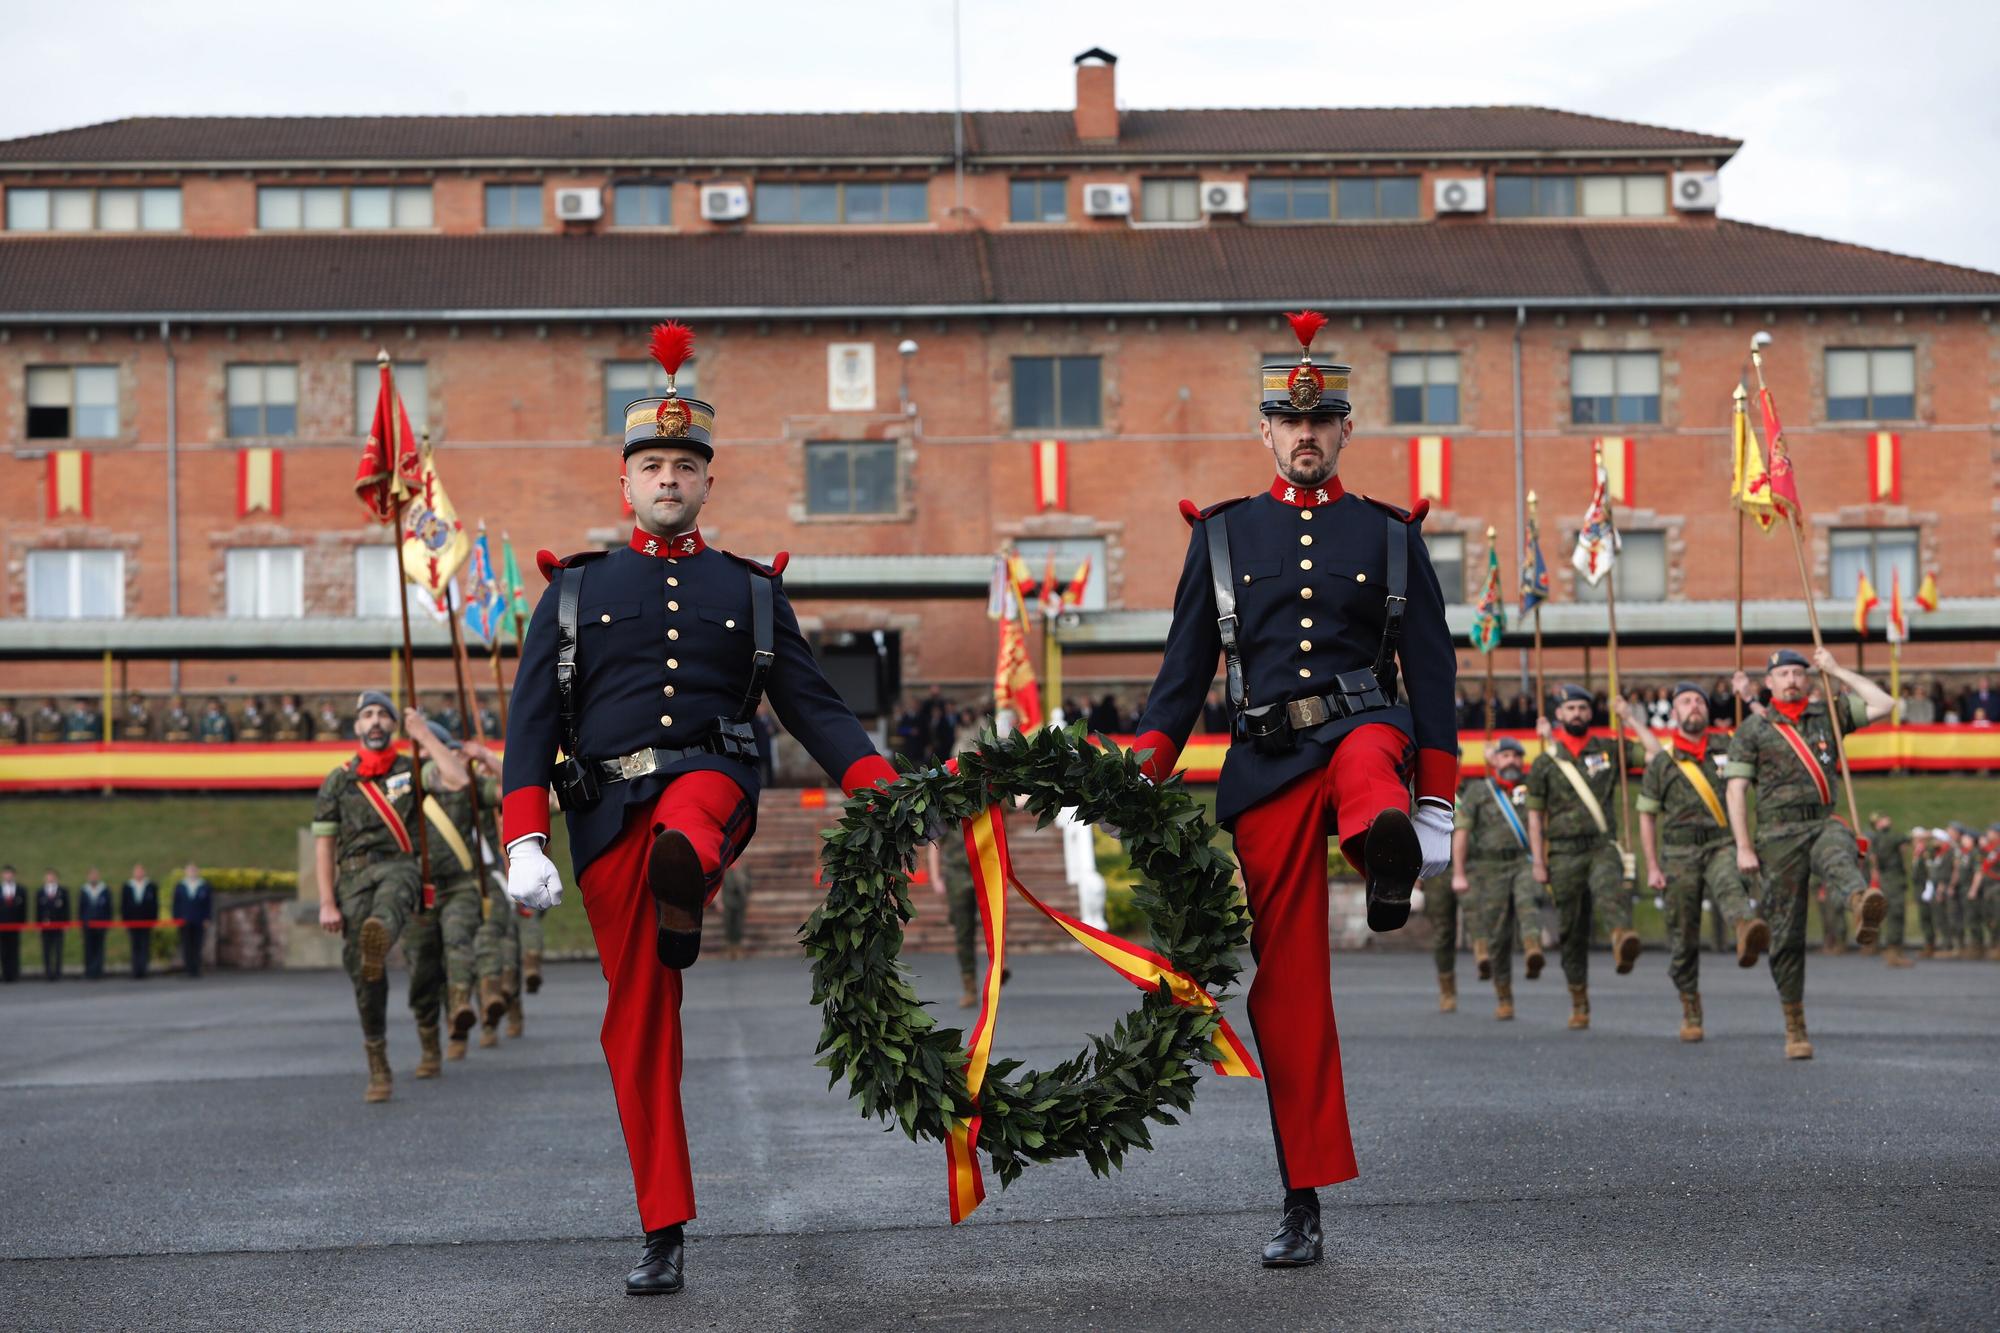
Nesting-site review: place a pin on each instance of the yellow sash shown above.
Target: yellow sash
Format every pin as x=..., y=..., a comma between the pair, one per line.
x=1692, y=771
x=448, y=831
x=1582, y=785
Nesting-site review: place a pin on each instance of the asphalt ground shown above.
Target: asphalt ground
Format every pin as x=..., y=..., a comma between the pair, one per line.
x=179, y=1154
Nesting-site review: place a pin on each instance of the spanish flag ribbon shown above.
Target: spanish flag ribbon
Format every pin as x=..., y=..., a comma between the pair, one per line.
x=992, y=876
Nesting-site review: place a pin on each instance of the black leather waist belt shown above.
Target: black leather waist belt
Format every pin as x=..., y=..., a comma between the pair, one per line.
x=1358, y=692
x=642, y=762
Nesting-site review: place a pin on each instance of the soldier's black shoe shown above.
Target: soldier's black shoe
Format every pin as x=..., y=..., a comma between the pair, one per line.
x=659, y=1270
x=673, y=873
x=1297, y=1243
x=1391, y=857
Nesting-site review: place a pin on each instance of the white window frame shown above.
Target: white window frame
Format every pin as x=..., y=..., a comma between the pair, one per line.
x=368, y=383
x=1034, y=553
x=419, y=599
x=267, y=600
x=73, y=558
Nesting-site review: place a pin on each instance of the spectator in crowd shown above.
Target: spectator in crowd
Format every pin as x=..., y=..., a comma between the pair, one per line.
x=13, y=912
x=965, y=735
x=328, y=722
x=253, y=724
x=1660, y=710
x=1918, y=710
x=13, y=729
x=83, y=724
x=444, y=711
x=193, y=902
x=1105, y=717
x=1939, y=708
x=1980, y=699
x=137, y=723
x=1722, y=703
x=292, y=722
x=45, y=726
x=94, y=915
x=139, y=901
x=216, y=728
x=1215, y=713
x=178, y=726
x=52, y=906
x=934, y=726
x=490, y=721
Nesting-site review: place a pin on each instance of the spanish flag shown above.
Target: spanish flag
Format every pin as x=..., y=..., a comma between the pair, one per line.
x=1014, y=680
x=1078, y=582
x=1899, y=625
x=1748, y=487
x=1927, y=596
x=1864, y=602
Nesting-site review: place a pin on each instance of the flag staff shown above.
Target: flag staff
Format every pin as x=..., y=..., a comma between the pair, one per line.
x=1741, y=425
x=1613, y=699
x=1491, y=644
x=1541, y=678
x=399, y=492
x=468, y=708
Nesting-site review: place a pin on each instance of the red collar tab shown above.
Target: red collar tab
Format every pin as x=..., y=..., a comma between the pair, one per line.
x=1307, y=497
x=1574, y=744
x=1693, y=749
x=1792, y=711
x=688, y=543
x=374, y=763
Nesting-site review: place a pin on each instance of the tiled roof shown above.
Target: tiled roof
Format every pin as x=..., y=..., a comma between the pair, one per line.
x=171, y=140
x=1476, y=264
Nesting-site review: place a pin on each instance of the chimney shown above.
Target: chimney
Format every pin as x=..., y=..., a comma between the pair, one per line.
x=1097, y=96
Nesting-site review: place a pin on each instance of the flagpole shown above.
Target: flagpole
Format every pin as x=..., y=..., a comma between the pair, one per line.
x=1812, y=611
x=468, y=708
x=499, y=680
x=1491, y=533
x=1737, y=472
x=1541, y=675
x=410, y=693
x=1611, y=653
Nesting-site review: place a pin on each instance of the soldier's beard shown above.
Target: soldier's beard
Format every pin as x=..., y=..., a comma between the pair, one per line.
x=1693, y=726
x=1310, y=470
x=377, y=739
x=1576, y=728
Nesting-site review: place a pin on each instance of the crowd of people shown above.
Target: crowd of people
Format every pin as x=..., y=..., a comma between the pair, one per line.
x=253, y=720
x=1921, y=703
x=50, y=912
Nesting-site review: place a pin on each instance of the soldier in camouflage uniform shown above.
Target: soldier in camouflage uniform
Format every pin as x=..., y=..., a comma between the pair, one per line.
x=1923, y=850
x=951, y=877
x=1986, y=888
x=1971, y=911
x=1689, y=853
x=1944, y=874
x=1571, y=842
x=1885, y=853
x=497, y=960
x=1788, y=753
x=1489, y=859
x=367, y=872
x=440, y=940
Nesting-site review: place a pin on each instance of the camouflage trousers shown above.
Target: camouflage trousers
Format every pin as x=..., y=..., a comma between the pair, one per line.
x=1443, y=908
x=1791, y=858
x=1588, y=881
x=965, y=931
x=1833, y=918
x=439, y=946
x=1928, y=917
x=386, y=890
x=497, y=946
x=1508, y=905
x=1898, y=894
x=1697, y=870
x=529, y=931
x=1980, y=929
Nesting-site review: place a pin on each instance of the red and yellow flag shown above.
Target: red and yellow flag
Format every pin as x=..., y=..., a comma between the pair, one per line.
x=1051, y=474
x=389, y=462
x=1078, y=582
x=435, y=543
x=1430, y=470
x=1014, y=680
x=1927, y=594
x=260, y=482
x=1781, y=484
x=1748, y=486
x=1885, y=468
x=67, y=482
x=1899, y=625
x=1864, y=602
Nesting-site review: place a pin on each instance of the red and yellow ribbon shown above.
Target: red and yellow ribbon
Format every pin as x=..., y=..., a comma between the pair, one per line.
x=992, y=876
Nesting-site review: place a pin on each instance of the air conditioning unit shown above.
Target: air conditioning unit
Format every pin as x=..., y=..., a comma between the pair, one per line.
x=1107, y=201
x=1697, y=191
x=1459, y=194
x=725, y=203
x=579, y=203
x=1224, y=197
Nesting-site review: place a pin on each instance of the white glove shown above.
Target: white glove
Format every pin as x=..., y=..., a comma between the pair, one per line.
x=1433, y=837
x=532, y=880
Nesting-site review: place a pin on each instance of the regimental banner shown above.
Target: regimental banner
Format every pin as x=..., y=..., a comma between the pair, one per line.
x=1620, y=470
x=260, y=482
x=1051, y=475
x=1430, y=470
x=68, y=484
x=1885, y=468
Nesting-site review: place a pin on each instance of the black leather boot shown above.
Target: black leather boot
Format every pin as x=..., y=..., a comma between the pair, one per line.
x=673, y=873
x=1297, y=1242
x=659, y=1270
x=1392, y=857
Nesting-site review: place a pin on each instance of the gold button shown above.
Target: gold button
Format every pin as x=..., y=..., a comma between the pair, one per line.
x=670, y=691
x=606, y=617
x=1305, y=645
x=673, y=634
x=1305, y=540
x=1305, y=622
x=665, y=720
x=1306, y=514
x=673, y=582
x=729, y=624
x=673, y=606
x=673, y=664
x=1306, y=593
x=1246, y=578
x=1305, y=564
x=1362, y=577
x=1305, y=673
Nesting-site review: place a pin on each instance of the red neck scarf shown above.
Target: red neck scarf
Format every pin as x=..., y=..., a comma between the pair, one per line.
x=1693, y=749
x=374, y=763
x=1574, y=744
x=1793, y=711
x=667, y=548
x=1506, y=784
x=1307, y=497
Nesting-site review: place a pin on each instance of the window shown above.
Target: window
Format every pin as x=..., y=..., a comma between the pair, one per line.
x=76, y=585
x=642, y=204
x=1037, y=201
x=513, y=206
x=266, y=582
x=411, y=386
x=1622, y=196
x=851, y=477
x=154, y=208
x=338, y=207
x=72, y=402
x=1448, y=559
x=1883, y=552
x=794, y=203
x=1169, y=200
x=263, y=400
x=376, y=578
x=1871, y=384
x=1534, y=196
x=1070, y=553
x=1641, y=570
x=627, y=381
x=1423, y=388
x=1614, y=388
x=1056, y=391
x=1364, y=198
x=1291, y=199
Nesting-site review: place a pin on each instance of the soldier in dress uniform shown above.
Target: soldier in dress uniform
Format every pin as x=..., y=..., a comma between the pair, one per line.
x=13, y=729
x=83, y=724
x=45, y=727
x=139, y=908
x=1572, y=794
x=1684, y=829
x=178, y=726
x=13, y=912
x=367, y=869
x=216, y=728
x=327, y=722
x=1787, y=753
x=52, y=908
x=441, y=937
x=94, y=914
x=253, y=723
x=1313, y=596
x=644, y=666
x=1489, y=859
x=1885, y=854
x=291, y=723
x=137, y=724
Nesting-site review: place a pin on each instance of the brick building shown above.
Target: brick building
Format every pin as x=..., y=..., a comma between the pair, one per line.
x=893, y=310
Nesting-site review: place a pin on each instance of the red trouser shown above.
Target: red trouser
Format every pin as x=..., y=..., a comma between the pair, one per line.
x=642, y=1017
x=1281, y=845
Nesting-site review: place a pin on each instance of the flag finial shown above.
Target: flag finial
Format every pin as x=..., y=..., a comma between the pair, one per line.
x=381, y=356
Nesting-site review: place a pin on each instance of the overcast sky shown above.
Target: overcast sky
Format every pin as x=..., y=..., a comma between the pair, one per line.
x=1878, y=124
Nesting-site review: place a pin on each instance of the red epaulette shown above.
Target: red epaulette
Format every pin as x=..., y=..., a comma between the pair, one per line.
x=770, y=571
x=547, y=562
x=1194, y=514
x=1415, y=515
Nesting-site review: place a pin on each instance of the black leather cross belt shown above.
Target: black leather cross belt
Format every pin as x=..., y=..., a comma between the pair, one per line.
x=1358, y=692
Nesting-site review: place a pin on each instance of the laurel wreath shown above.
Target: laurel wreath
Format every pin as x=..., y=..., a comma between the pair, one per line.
x=898, y=1062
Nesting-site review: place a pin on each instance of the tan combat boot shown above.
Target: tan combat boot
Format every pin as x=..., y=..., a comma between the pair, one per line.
x=1503, y=993
x=1893, y=956
x=463, y=1018
x=1753, y=937
x=1796, y=1045
x=1834, y=946
x=531, y=971
x=454, y=1048
x=1532, y=956
x=1447, y=992
x=379, y=1079
x=374, y=948
x=1481, y=956
x=515, y=1018
x=1690, y=1016
x=489, y=1035
x=1625, y=947
x=431, y=1063
x=492, y=1002
x=1579, y=1007
x=967, y=995
x=1870, y=906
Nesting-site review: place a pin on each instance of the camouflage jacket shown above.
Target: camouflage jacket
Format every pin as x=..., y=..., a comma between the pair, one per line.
x=1488, y=835
x=1965, y=863
x=1669, y=795
x=1937, y=865
x=1786, y=793
x=1886, y=850
x=1564, y=813
x=457, y=806
x=342, y=813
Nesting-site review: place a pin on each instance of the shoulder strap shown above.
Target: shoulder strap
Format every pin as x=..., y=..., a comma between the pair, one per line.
x=1223, y=575
x=1398, y=554
x=762, y=635
x=566, y=640
x=447, y=830
x=1582, y=786
x=1508, y=813
x=1704, y=789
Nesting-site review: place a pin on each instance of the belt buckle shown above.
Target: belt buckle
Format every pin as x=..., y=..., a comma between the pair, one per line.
x=636, y=765
x=1303, y=713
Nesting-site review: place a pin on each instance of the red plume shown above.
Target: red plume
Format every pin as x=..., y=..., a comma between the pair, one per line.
x=671, y=344
x=1305, y=324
